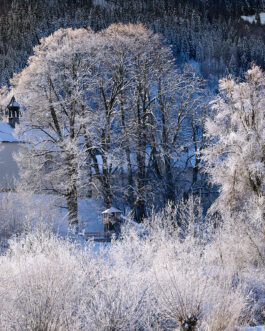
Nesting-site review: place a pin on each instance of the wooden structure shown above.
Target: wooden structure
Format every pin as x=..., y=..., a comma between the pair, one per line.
x=112, y=220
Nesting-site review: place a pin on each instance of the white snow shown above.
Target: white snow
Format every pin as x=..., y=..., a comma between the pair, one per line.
x=249, y=19
x=7, y=133
x=90, y=214
x=111, y=210
x=51, y=209
x=15, y=104
x=131, y=222
x=252, y=18
x=255, y=328
x=262, y=18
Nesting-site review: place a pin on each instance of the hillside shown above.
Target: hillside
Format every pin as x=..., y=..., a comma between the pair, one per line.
x=197, y=30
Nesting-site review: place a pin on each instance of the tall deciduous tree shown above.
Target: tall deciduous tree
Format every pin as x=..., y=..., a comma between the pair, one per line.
x=54, y=88
x=147, y=107
x=114, y=100
x=235, y=159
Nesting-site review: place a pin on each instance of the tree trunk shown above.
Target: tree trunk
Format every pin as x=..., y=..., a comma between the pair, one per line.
x=106, y=192
x=140, y=210
x=141, y=151
x=71, y=191
x=72, y=206
x=170, y=189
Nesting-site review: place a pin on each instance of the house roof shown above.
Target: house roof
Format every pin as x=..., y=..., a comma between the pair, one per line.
x=7, y=133
x=111, y=210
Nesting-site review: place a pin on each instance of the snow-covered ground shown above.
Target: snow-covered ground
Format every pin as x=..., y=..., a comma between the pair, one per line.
x=256, y=328
x=252, y=18
x=50, y=209
x=7, y=133
x=90, y=214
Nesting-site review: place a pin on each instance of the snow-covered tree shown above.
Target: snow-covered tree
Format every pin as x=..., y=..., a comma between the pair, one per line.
x=235, y=157
x=148, y=110
x=113, y=101
x=54, y=88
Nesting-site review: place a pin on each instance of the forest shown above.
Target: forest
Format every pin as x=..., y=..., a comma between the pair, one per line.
x=209, y=32
x=156, y=108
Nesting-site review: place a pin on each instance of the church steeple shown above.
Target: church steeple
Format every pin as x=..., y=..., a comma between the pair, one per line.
x=13, y=112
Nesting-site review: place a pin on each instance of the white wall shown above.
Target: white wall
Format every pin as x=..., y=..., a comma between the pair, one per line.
x=8, y=165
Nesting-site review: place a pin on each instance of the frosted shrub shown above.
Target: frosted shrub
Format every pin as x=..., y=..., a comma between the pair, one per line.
x=196, y=295
x=116, y=302
x=10, y=220
x=50, y=284
x=162, y=280
x=239, y=246
x=187, y=288
x=40, y=289
x=239, y=243
x=124, y=290
x=180, y=296
x=181, y=220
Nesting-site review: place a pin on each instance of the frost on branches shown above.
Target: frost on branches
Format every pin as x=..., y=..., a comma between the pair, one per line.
x=109, y=105
x=53, y=88
x=235, y=159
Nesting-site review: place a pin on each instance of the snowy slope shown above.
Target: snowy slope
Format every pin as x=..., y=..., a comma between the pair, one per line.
x=7, y=133
x=90, y=215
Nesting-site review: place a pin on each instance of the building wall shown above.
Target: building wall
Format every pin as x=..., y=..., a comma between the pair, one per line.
x=8, y=165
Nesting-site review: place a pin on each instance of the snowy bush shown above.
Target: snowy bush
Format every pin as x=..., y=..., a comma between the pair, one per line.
x=11, y=222
x=199, y=298
x=166, y=279
x=41, y=291
x=235, y=155
x=24, y=211
x=150, y=283
x=239, y=246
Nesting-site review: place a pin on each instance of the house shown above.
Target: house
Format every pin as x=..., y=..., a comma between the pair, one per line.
x=9, y=145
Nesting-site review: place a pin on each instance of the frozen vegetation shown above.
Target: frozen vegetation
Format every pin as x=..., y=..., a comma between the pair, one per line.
x=109, y=114
x=194, y=276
